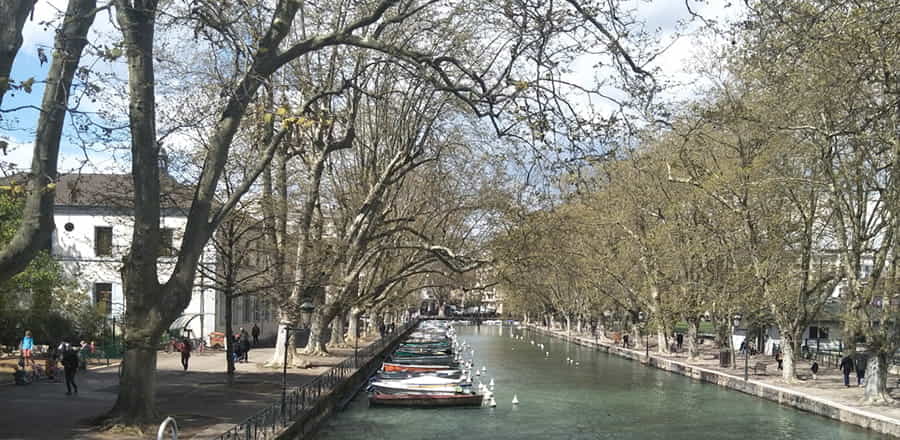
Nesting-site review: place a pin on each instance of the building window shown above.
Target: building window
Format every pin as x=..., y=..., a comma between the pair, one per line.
x=103, y=298
x=103, y=241
x=165, y=243
x=818, y=333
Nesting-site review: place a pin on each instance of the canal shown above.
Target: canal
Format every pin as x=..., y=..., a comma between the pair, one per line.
x=598, y=396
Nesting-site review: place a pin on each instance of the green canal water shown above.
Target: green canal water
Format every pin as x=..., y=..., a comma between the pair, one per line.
x=603, y=397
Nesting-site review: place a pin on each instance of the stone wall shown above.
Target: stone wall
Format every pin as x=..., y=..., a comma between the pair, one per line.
x=832, y=410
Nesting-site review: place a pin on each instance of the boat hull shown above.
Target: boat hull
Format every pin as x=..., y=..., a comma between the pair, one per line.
x=425, y=401
x=388, y=366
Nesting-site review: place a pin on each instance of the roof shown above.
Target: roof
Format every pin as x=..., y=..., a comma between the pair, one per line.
x=112, y=190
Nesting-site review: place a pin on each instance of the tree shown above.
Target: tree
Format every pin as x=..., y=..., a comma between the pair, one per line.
x=853, y=133
x=37, y=220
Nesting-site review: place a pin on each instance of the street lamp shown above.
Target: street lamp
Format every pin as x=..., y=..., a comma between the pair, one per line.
x=642, y=318
x=305, y=310
x=736, y=320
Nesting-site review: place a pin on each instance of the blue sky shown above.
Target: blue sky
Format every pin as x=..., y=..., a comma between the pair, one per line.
x=18, y=128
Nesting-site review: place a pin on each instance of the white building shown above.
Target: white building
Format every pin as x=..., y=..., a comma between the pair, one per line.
x=94, y=224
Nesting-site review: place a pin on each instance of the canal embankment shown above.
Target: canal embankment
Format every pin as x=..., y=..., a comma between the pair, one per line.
x=826, y=396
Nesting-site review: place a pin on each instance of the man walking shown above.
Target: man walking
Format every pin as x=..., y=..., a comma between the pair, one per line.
x=70, y=364
x=245, y=345
x=861, y=363
x=255, y=333
x=846, y=367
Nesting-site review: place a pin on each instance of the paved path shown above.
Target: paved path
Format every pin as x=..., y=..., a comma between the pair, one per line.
x=198, y=399
x=828, y=386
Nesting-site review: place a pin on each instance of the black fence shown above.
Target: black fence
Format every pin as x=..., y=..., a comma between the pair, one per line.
x=267, y=423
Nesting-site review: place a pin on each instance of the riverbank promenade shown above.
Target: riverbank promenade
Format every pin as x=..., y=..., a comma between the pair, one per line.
x=827, y=390
x=201, y=402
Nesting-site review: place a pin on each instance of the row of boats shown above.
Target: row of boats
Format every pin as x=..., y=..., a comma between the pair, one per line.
x=427, y=370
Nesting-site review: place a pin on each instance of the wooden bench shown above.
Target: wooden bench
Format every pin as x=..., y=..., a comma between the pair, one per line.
x=760, y=368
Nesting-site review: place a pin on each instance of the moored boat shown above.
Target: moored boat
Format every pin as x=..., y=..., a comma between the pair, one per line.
x=391, y=366
x=425, y=400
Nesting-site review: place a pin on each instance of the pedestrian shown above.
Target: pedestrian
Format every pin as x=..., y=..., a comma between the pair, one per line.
x=50, y=364
x=625, y=340
x=82, y=355
x=846, y=367
x=27, y=347
x=70, y=365
x=381, y=329
x=255, y=333
x=861, y=363
x=185, y=352
x=778, y=358
x=391, y=329
x=815, y=369
x=245, y=345
x=679, y=340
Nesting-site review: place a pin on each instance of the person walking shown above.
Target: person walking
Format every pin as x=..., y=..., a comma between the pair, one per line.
x=27, y=348
x=815, y=369
x=245, y=345
x=846, y=367
x=70, y=364
x=255, y=333
x=185, y=352
x=861, y=363
x=778, y=358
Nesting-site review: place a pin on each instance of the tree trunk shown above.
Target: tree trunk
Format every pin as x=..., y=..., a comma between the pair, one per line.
x=876, y=390
x=353, y=330
x=440, y=311
x=337, y=330
x=788, y=352
x=285, y=319
x=693, y=340
x=321, y=318
x=568, y=325
x=662, y=344
x=229, y=344
x=15, y=12
x=136, y=403
x=37, y=223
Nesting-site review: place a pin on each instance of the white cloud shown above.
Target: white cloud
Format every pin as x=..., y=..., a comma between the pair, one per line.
x=18, y=159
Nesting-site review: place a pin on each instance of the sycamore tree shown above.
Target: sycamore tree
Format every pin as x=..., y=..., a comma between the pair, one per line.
x=37, y=226
x=797, y=50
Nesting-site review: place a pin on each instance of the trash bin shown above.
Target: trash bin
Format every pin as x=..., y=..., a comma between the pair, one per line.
x=724, y=358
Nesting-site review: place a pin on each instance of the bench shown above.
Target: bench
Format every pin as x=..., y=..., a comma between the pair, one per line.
x=760, y=368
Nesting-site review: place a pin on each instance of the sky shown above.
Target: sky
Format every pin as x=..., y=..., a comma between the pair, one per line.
x=17, y=128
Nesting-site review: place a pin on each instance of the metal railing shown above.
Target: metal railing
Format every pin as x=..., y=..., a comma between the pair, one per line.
x=269, y=422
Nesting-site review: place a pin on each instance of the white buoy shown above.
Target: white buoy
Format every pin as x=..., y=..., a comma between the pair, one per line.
x=515, y=399
x=478, y=372
x=548, y=354
x=484, y=368
x=492, y=383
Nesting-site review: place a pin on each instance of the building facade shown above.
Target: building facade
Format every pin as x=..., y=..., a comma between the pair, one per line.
x=94, y=226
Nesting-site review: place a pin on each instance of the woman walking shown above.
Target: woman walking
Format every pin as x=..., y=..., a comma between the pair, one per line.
x=185, y=353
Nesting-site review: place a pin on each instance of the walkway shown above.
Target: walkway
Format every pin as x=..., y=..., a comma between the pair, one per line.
x=828, y=387
x=199, y=399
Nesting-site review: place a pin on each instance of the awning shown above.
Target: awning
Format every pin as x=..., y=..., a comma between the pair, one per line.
x=182, y=322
